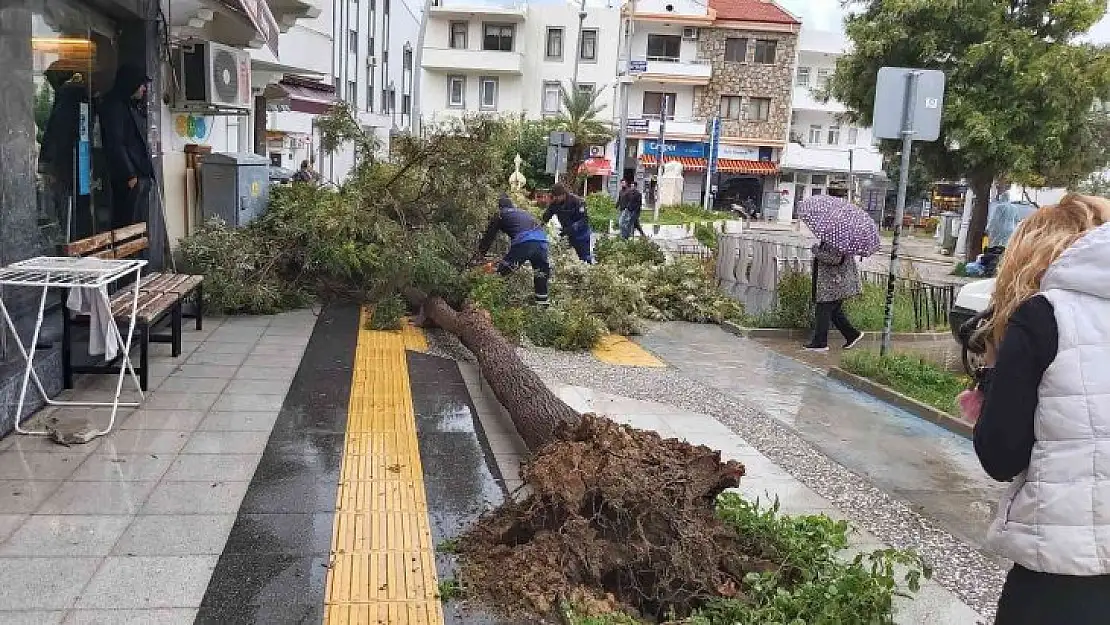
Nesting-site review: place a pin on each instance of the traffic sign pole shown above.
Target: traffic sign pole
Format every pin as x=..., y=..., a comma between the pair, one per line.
x=899, y=209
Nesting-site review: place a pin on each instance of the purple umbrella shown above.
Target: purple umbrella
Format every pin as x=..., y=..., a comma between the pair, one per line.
x=841, y=224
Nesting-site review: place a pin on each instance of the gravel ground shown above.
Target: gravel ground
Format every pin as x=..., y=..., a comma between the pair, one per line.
x=974, y=577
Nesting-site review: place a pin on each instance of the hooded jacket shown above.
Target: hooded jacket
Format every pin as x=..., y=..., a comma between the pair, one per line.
x=519, y=225
x=123, y=126
x=1055, y=516
x=572, y=217
x=59, y=136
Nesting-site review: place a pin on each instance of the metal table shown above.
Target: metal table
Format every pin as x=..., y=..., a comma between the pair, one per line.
x=46, y=272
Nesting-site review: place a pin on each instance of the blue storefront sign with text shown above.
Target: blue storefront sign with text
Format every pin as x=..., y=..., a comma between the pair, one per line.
x=688, y=149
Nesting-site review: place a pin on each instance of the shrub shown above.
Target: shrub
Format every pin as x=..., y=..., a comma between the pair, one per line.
x=706, y=235
x=566, y=326
x=632, y=251
x=910, y=375
x=794, y=307
x=388, y=313
x=682, y=290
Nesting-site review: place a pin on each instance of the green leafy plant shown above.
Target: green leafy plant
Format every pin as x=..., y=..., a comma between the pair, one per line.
x=388, y=313
x=448, y=546
x=568, y=326
x=450, y=589
x=794, y=307
x=815, y=584
x=706, y=235
x=617, y=251
x=910, y=375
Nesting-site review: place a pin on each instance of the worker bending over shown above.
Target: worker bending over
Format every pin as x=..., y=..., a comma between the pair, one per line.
x=527, y=244
x=573, y=220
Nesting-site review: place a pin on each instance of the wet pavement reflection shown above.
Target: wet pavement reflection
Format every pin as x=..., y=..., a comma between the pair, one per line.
x=932, y=469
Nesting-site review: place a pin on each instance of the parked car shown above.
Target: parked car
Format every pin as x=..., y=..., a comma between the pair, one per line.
x=280, y=175
x=973, y=298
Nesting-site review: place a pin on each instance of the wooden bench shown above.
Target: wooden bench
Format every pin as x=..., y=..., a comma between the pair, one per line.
x=161, y=299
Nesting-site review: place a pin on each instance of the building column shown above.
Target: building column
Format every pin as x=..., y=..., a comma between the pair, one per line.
x=259, y=118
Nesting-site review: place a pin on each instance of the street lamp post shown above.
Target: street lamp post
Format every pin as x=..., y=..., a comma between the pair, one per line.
x=578, y=48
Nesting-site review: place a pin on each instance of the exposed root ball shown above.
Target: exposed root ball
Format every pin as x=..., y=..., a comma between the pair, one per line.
x=615, y=513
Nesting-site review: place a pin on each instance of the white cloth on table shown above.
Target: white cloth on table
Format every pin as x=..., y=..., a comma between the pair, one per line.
x=102, y=336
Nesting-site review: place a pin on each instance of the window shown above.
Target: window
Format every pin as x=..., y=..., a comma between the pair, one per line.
x=815, y=134
x=392, y=100
x=819, y=180
x=736, y=49
x=787, y=176
x=588, y=45
x=406, y=60
x=853, y=135
x=803, y=77
x=822, y=78
x=586, y=87
x=487, y=93
x=765, y=51
x=370, y=89
x=385, y=6
x=758, y=109
x=352, y=41
x=654, y=101
x=663, y=47
x=498, y=37
x=406, y=104
x=385, y=100
x=352, y=94
x=456, y=92
x=834, y=135
x=731, y=105
x=458, y=35
x=554, y=44
x=552, y=100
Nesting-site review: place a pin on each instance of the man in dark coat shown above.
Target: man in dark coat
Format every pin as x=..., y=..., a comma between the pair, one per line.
x=123, y=124
x=631, y=204
x=575, y=223
x=527, y=244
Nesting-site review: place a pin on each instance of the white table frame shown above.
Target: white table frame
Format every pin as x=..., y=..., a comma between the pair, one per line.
x=46, y=272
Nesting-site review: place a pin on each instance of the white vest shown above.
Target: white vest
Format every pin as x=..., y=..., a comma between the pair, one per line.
x=1055, y=517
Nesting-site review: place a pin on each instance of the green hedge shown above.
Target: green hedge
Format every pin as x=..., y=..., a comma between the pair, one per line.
x=910, y=375
x=794, y=307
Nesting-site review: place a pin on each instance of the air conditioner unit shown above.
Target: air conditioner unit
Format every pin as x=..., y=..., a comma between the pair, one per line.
x=690, y=33
x=215, y=76
x=597, y=151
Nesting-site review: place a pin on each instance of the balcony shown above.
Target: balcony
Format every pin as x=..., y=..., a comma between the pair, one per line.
x=473, y=61
x=674, y=70
x=511, y=13
x=804, y=100
x=685, y=127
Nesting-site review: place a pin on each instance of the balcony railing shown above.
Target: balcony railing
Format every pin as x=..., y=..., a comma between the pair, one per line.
x=668, y=68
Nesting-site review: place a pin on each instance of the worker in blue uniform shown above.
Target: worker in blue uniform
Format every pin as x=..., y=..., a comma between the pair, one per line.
x=527, y=244
x=575, y=223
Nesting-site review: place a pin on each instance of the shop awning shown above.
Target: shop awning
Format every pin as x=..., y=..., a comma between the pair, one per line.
x=724, y=165
x=303, y=96
x=596, y=166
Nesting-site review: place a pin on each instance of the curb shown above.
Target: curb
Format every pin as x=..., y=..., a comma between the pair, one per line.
x=909, y=404
x=793, y=333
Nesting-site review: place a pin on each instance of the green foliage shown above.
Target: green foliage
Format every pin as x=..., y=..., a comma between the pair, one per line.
x=706, y=235
x=569, y=326
x=960, y=270
x=601, y=210
x=448, y=546
x=682, y=291
x=506, y=299
x=450, y=589
x=868, y=311
x=617, y=251
x=582, y=116
x=815, y=585
x=910, y=375
x=794, y=307
x=528, y=138
x=388, y=313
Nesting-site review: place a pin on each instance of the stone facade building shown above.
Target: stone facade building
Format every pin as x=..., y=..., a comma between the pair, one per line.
x=751, y=85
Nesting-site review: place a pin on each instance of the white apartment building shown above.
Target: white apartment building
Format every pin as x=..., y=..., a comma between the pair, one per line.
x=824, y=150
x=511, y=59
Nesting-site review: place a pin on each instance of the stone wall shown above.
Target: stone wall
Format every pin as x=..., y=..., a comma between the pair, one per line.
x=748, y=79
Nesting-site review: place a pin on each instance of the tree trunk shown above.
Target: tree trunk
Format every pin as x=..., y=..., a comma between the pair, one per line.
x=981, y=187
x=534, y=409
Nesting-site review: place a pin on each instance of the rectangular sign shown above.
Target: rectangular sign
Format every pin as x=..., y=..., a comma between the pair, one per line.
x=638, y=125
x=84, y=163
x=714, y=145
x=925, y=109
x=675, y=148
x=738, y=152
x=637, y=67
x=556, y=160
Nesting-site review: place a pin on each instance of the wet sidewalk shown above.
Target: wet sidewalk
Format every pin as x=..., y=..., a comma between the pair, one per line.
x=933, y=469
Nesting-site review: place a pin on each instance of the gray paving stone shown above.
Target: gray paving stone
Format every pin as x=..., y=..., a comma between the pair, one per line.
x=9, y=523
x=179, y=401
x=65, y=535
x=273, y=361
x=239, y=421
x=97, y=498
x=179, y=420
x=122, y=467
x=17, y=443
x=156, y=442
x=165, y=616
x=176, y=535
x=258, y=387
x=224, y=360
x=184, y=384
x=222, y=372
x=38, y=465
x=24, y=496
x=195, y=498
x=226, y=443
x=235, y=403
x=31, y=617
x=212, y=467
x=43, y=583
x=223, y=347
x=283, y=372
x=148, y=582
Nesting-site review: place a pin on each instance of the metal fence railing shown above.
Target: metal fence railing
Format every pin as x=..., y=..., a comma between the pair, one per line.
x=931, y=302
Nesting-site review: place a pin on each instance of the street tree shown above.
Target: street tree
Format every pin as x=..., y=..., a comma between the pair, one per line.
x=1021, y=87
x=581, y=115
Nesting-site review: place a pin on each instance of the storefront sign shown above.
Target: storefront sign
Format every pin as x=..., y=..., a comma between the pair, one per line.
x=739, y=152
x=84, y=168
x=676, y=148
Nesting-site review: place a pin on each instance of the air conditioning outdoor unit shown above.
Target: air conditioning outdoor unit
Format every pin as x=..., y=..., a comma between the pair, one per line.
x=690, y=33
x=215, y=76
x=597, y=151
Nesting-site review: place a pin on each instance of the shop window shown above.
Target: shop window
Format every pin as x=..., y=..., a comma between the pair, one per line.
x=736, y=49
x=819, y=180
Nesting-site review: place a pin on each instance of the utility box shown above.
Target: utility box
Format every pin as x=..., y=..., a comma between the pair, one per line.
x=234, y=187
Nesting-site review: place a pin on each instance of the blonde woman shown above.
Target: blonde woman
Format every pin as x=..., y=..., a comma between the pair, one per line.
x=1045, y=419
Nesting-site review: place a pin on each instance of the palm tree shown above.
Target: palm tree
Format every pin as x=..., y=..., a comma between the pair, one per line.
x=581, y=115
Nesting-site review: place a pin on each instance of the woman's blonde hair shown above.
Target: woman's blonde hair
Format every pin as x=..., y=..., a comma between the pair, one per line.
x=1038, y=241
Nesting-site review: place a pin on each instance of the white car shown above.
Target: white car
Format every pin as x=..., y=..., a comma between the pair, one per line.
x=973, y=298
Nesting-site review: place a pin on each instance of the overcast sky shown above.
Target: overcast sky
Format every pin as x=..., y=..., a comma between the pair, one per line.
x=827, y=15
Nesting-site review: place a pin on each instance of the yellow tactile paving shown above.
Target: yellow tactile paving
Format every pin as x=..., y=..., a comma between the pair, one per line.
x=382, y=563
x=617, y=350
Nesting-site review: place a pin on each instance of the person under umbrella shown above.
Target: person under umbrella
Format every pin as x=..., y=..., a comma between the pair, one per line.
x=844, y=232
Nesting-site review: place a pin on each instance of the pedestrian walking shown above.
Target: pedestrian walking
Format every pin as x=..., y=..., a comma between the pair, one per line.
x=527, y=244
x=632, y=205
x=835, y=279
x=305, y=173
x=573, y=220
x=1043, y=423
x=123, y=127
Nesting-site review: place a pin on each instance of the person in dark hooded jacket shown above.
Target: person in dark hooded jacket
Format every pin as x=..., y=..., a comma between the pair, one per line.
x=123, y=125
x=527, y=244
x=573, y=220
